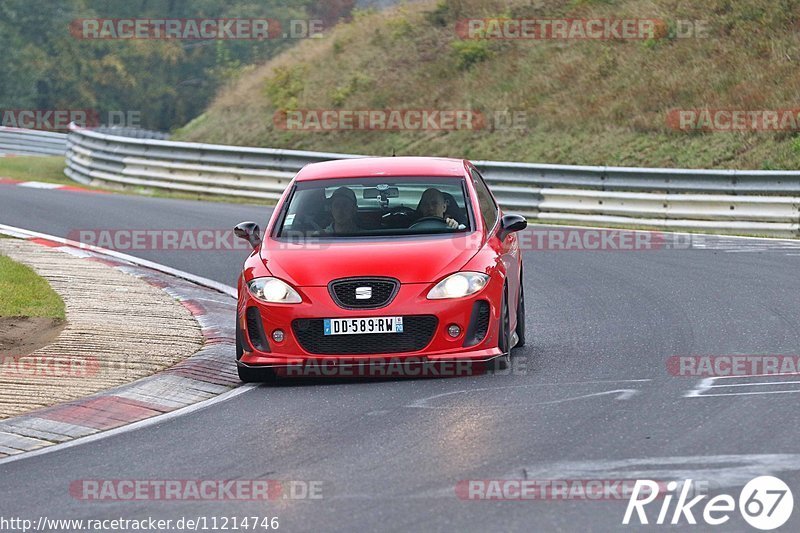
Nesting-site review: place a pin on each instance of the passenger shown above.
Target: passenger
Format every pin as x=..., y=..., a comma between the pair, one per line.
x=433, y=204
x=344, y=209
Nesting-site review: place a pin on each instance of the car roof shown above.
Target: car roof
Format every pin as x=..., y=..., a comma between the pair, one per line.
x=383, y=167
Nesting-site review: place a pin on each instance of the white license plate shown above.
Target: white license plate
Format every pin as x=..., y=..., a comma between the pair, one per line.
x=361, y=326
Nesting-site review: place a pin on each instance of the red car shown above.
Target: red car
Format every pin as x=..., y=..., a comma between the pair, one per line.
x=364, y=261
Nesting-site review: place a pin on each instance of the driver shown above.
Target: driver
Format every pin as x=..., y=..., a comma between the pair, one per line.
x=344, y=210
x=433, y=204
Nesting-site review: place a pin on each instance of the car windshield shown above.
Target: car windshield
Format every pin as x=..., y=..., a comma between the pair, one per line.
x=360, y=207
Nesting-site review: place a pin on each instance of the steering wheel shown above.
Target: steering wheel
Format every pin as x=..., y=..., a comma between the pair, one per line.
x=429, y=223
x=308, y=221
x=398, y=218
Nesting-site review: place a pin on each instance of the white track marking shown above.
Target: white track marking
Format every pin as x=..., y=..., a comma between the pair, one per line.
x=721, y=470
x=131, y=427
x=755, y=384
x=707, y=384
x=748, y=393
x=39, y=185
x=623, y=394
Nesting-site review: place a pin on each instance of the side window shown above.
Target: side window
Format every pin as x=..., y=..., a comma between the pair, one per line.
x=488, y=207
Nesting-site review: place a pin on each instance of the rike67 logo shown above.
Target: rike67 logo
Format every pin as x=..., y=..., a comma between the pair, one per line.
x=765, y=503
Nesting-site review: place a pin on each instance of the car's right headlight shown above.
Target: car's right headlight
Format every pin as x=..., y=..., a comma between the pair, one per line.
x=458, y=285
x=273, y=291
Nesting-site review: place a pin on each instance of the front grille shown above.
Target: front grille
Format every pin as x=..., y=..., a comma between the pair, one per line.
x=381, y=292
x=417, y=334
x=478, y=324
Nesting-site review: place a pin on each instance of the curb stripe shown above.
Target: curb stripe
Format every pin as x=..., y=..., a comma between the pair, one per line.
x=50, y=186
x=107, y=412
x=207, y=377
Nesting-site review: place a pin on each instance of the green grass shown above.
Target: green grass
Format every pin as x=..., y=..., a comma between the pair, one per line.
x=23, y=293
x=585, y=102
x=50, y=169
x=160, y=193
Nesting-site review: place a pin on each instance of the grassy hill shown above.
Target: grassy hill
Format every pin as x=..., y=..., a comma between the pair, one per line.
x=585, y=102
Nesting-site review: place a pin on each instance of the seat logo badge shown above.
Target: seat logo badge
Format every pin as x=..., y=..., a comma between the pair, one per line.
x=363, y=293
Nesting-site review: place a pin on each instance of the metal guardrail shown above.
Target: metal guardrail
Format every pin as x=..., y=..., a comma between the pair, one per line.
x=723, y=201
x=137, y=133
x=17, y=141
x=189, y=167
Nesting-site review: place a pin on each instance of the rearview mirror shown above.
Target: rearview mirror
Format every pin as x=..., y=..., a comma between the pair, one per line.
x=510, y=224
x=378, y=192
x=250, y=232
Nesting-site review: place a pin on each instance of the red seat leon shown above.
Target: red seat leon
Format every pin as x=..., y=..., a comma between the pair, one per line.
x=374, y=261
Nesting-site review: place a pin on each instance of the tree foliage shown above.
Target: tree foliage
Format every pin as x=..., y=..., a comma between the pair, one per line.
x=169, y=82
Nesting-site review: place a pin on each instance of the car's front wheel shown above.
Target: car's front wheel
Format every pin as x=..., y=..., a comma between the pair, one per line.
x=520, y=331
x=504, y=335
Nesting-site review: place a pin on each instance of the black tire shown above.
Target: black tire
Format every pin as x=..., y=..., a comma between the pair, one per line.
x=504, y=338
x=521, y=315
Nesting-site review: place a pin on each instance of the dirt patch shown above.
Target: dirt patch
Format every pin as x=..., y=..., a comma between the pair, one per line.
x=23, y=335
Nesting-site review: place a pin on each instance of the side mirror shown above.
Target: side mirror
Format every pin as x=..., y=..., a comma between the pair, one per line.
x=510, y=224
x=250, y=232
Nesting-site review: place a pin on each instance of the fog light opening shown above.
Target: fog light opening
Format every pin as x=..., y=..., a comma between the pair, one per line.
x=453, y=330
x=278, y=335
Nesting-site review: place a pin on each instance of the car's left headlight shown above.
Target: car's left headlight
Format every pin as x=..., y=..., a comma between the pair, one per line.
x=273, y=291
x=458, y=285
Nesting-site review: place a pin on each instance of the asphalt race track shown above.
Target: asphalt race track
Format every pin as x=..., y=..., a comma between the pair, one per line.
x=592, y=397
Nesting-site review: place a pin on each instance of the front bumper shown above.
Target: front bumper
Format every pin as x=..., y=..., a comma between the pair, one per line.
x=411, y=300
x=373, y=367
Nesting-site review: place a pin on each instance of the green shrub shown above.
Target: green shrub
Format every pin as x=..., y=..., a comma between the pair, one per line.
x=285, y=86
x=796, y=145
x=341, y=93
x=440, y=16
x=399, y=27
x=470, y=52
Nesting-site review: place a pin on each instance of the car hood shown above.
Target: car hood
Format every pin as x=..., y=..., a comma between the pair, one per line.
x=414, y=260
